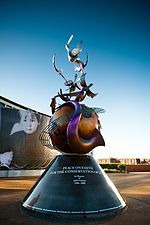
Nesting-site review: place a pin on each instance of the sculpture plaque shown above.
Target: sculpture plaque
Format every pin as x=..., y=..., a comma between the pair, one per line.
x=73, y=187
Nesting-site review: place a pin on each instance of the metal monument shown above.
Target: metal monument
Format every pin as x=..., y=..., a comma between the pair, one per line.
x=73, y=187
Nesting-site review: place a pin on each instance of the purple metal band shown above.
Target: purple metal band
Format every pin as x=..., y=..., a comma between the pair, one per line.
x=72, y=129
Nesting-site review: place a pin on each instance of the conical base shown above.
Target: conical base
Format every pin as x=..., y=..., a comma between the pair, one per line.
x=73, y=188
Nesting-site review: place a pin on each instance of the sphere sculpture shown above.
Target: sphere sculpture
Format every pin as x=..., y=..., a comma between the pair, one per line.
x=73, y=187
x=79, y=131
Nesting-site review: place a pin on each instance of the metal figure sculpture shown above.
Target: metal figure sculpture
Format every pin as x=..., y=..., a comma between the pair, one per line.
x=73, y=187
x=73, y=54
x=74, y=127
x=80, y=83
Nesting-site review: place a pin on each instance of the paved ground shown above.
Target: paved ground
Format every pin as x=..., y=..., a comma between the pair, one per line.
x=134, y=187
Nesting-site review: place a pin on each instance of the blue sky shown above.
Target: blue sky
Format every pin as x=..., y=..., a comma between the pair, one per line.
x=116, y=35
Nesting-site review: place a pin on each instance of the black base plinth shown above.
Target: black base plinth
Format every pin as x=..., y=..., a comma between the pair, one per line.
x=73, y=187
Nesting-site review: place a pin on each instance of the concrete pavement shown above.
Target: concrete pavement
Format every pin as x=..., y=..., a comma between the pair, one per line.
x=134, y=187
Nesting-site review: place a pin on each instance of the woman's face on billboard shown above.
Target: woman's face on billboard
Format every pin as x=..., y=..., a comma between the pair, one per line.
x=28, y=122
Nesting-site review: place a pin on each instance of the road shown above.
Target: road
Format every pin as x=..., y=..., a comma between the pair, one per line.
x=134, y=187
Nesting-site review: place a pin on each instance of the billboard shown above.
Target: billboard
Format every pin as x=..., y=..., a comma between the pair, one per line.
x=20, y=147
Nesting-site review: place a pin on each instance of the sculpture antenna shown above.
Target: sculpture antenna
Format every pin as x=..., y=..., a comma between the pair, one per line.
x=59, y=71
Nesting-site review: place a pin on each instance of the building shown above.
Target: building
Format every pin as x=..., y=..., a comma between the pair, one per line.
x=7, y=103
x=20, y=129
x=127, y=161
